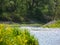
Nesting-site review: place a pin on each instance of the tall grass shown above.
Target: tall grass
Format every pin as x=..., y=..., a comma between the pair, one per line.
x=15, y=36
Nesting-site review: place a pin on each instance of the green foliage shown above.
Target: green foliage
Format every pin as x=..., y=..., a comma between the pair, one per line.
x=15, y=36
x=54, y=25
x=27, y=10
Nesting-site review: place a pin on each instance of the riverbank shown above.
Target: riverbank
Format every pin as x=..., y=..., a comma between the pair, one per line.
x=52, y=24
x=20, y=24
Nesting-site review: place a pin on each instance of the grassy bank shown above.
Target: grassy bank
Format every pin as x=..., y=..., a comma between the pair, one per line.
x=20, y=24
x=15, y=36
x=53, y=25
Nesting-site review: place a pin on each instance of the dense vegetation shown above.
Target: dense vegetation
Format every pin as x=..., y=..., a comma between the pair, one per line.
x=29, y=10
x=15, y=36
x=53, y=25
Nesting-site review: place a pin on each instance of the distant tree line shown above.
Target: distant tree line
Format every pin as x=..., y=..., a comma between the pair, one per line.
x=27, y=10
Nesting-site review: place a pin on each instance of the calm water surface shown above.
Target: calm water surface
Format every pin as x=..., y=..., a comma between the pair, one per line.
x=46, y=36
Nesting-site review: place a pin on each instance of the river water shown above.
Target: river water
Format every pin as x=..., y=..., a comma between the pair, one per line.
x=45, y=36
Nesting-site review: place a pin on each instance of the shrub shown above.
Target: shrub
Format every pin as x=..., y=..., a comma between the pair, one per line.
x=15, y=36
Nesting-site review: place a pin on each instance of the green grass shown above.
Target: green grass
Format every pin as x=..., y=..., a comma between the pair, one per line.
x=54, y=25
x=18, y=25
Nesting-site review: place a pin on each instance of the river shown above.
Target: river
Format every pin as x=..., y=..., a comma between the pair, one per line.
x=45, y=36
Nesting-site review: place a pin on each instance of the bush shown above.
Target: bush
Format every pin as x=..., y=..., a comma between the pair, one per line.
x=15, y=36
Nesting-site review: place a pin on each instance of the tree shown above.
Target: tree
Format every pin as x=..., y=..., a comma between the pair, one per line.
x=27, y=10
x=57, y=9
